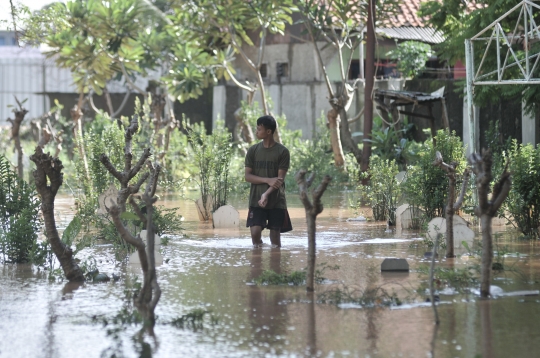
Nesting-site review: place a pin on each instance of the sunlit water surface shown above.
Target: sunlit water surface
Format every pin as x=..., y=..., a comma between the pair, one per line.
x=214, y=269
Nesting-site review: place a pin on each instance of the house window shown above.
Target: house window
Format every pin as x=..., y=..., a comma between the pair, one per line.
x=282, y=69
x=264, y=70
x=2, y=41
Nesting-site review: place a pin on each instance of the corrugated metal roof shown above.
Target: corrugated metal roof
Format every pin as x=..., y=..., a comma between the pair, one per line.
x=411, y=95
x=424, y=34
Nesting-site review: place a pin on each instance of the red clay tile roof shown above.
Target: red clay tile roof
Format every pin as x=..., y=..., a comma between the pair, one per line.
x=407, y=15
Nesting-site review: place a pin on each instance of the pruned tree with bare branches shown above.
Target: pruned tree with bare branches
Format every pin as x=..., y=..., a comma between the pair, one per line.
x=130, y=170
x=48, y=178
x=312, y=210
x=451, y=206
x=487, y=208
x=149, y=295
x=20, y=113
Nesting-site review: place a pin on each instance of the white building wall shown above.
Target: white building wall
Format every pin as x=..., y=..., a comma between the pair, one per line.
x=27, y=73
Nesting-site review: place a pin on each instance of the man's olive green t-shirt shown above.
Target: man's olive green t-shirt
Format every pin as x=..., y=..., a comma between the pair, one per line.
x=265, y=162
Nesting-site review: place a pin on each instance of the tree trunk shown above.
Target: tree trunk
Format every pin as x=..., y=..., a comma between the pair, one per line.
x=312, y=210
x=370, y=80
x=452, y=205
x=246, y=128
x=346, y=137
x=49, y=170
x=310, y=280
x=487, y=254
x=335, y=139
x=450, y=216
x=76, y=116
x=150, y=292
x=487, y=208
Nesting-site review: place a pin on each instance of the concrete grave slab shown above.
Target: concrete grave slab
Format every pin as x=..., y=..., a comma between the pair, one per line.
x=226, y=216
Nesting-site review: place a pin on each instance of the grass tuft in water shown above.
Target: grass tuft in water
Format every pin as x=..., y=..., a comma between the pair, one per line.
x=193, y=320
x=295, y=278
x=460, y=279
x=270, y=277
x=372, y=297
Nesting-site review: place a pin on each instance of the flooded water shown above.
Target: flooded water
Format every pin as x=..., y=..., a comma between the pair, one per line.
x=213, y=270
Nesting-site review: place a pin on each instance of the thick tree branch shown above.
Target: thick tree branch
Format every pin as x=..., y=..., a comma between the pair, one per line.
x=459, y=202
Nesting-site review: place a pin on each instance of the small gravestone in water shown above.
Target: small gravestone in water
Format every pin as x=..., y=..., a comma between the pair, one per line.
x=226, y=217
x=461, y=232
x=134, y=257
x=393, y=264
x=407, y=217
x=107, y=196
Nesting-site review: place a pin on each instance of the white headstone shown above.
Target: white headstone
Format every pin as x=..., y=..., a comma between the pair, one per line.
x=134, y=257
x=461, y=231
x=104, y=200
x=404, y=216
x=199, y=205
x=226, y=216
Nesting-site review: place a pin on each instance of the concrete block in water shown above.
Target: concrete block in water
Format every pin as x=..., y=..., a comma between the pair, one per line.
x=393, y=264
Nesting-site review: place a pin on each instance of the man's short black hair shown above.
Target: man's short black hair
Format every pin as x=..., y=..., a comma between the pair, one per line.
x=267, y=122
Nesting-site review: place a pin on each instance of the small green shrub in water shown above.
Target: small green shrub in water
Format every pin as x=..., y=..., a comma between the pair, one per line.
x=426, y=186
x=19, y=216
x=523, y=202
x=383, y=190
x=212, y=154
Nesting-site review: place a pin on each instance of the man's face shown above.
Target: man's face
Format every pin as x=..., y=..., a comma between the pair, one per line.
x=262, y=132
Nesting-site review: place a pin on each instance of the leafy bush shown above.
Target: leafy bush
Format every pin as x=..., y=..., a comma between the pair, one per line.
x=315, y=155
x=392, y=144
x=19, y=215
x=411, y=56
x=426, y=186
x=523, y=202
x=383, y=190
x=212, y=154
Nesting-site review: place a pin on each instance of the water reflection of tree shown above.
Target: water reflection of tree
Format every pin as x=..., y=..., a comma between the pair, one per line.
x=267, y=316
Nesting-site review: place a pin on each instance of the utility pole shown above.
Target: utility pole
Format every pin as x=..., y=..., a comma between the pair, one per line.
x=370, y=79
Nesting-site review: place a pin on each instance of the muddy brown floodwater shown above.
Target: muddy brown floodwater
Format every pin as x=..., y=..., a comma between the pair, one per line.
x=213, y=270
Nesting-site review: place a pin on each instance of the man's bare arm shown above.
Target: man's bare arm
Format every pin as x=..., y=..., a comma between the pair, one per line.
x=264, y=198
x=254, y=179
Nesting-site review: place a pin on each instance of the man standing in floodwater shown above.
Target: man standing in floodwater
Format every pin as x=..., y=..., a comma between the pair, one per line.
x=266, y=165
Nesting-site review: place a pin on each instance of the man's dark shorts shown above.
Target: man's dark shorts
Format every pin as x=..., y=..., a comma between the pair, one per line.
x=271, y=219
